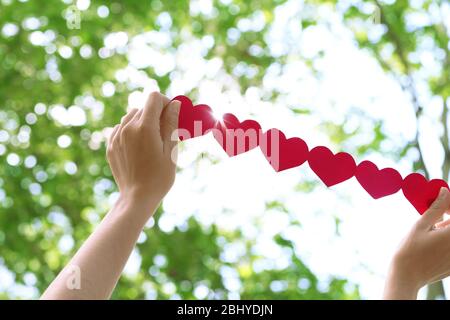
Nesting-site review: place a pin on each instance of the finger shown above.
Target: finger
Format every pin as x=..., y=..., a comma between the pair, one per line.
x=123, y=122
x=137, y=115
x=111, y=155
x=169, y=124
x=127, y=118
x=154, y=107
x=442, y=224
x=438, y=278
x=113, y=134
x=436, y=210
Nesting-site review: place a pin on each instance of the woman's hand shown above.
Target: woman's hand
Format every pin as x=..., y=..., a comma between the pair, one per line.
x=142, y=154
x=424, y=255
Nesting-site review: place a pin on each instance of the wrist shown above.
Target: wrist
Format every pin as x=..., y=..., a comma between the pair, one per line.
x=400, y=284
x=136, y=208
x=138, y=199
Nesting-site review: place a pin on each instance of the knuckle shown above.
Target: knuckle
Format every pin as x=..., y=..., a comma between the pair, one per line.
x=128, y=131
x=124, y=134
x=115, y=144
x=154, y=94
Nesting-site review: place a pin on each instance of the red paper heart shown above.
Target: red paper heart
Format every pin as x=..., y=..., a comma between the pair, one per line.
x=378, y=183
x=237, y=137
x=421, y=192
x=193, y=121
x=331, y=168
x=283, y=153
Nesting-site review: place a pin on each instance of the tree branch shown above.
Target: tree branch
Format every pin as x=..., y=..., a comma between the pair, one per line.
x=436, y=289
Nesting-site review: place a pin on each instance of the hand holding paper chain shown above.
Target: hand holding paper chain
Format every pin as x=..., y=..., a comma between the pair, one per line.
x=283, y=153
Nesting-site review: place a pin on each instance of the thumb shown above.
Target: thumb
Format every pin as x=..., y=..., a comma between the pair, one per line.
x=169, y=123
x=437, y=209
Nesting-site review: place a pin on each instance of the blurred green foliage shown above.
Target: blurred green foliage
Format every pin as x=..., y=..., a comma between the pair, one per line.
x=53, y=190
x=46, y=203
x=405, y=33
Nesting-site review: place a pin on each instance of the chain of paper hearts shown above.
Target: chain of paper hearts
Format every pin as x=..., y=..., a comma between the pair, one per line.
x=331, y=168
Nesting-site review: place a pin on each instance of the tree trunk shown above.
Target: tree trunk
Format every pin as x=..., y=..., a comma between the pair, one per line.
x=435, y=291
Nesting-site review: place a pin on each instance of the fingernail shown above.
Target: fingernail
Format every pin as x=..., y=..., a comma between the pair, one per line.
x=176, y=104
x=442, y=192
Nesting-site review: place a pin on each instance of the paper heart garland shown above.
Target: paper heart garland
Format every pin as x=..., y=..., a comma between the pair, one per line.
x=283, y=153
x=378, y=183
x=236, y=137
x=421, y=192
x=331, y=168
x=193, y=121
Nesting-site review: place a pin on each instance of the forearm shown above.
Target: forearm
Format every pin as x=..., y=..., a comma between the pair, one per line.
x=102, y=257
x=399, y=287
